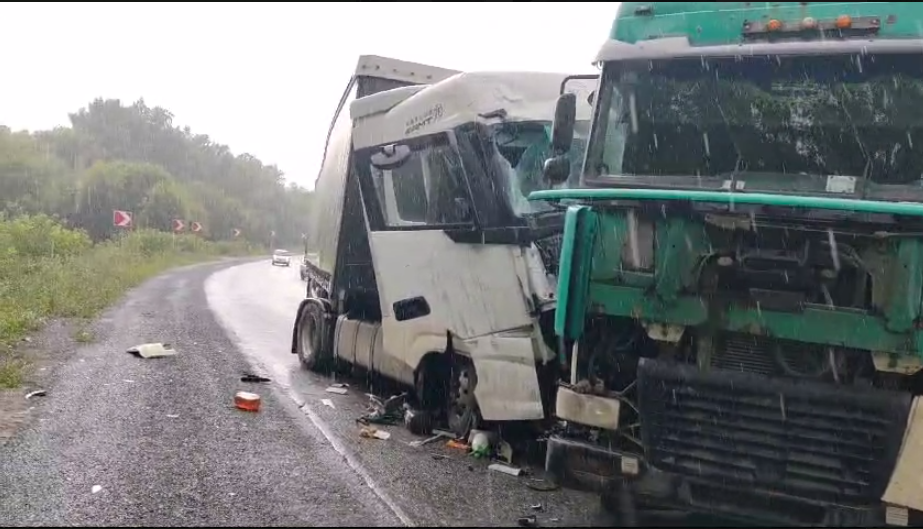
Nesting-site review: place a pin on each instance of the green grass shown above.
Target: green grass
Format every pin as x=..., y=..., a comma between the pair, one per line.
x=37, y=288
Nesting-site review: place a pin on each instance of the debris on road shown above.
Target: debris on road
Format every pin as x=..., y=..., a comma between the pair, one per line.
x=541, y=485
x=384, y=412
x=337, y=389
x=528, y=521
x=538, y=507
x=38, y=393
x=481, y=443
x=172, y=416
x=437, y=436
x=505, y=469
x=152, y=350
x=505, y=452
x=370, y=432
x=458, y=445
x=328, y=403
x=255, y=379
x=96, y=489
x=246, y=401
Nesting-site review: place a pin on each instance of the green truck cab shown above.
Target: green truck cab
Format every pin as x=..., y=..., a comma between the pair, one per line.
x=741, y=272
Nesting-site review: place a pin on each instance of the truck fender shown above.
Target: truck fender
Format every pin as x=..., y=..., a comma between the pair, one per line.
x=325, y=306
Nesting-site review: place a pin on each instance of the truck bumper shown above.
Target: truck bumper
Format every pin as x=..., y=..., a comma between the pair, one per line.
x=582, y=465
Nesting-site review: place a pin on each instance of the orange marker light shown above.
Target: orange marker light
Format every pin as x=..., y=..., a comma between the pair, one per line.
x=843, y=22
x=773, y=25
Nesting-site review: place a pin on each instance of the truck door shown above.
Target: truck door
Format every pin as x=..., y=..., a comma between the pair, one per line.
x=415, y=192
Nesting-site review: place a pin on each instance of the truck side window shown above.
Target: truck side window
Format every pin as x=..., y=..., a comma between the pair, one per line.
x=426, y=188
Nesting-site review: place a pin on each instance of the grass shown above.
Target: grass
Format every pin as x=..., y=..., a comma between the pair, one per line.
x=35, y=289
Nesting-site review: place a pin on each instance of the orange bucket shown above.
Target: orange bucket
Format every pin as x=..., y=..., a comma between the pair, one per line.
x=247, y=401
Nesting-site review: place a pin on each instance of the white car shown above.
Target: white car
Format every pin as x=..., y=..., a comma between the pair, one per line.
x=281, y=258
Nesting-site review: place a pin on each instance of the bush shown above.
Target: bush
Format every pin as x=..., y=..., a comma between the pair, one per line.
x=50, y=271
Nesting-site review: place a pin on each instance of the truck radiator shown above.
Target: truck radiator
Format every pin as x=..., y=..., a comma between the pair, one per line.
x=798, y=438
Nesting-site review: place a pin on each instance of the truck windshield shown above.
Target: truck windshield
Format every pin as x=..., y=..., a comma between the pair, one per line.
x=692, y=122
x=519, y=151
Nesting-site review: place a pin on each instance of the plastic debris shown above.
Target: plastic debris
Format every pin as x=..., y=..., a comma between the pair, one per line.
x=337, y=390
x=505, y=452
x=458, y=445
x=505, y=469
x=433, y=439
x=255, y=379
x=328, y=403
x=389, y=411
x=172, y=416
x=38, y=393
x=369, y=432
x=528, y=521
x=96, y=489
x=480, y=442
x=152, y=350
x=247, y=401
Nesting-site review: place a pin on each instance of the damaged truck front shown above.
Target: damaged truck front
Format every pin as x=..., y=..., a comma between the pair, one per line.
x=429, y=267
x=741, y=273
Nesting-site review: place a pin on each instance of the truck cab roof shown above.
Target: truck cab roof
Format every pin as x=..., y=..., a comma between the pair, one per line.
x=470, y=97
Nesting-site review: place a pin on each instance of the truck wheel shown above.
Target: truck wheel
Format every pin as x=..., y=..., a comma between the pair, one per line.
x=462, y=408
x=312, y=344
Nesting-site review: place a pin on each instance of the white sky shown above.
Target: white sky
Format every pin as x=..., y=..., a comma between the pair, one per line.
x=264, y=78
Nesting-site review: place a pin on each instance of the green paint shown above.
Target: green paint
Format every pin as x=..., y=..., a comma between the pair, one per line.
x=724, y=197
x=716, y=23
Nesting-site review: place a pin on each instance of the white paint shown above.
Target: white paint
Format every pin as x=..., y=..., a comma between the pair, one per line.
x=461, y=99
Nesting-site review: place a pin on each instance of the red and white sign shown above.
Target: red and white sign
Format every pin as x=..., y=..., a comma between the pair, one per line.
x=236, y=232
x=179, y=225
x=196, y=227
x=121, y=219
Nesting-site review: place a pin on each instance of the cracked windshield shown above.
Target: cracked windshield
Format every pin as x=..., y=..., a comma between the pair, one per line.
x=627, y=264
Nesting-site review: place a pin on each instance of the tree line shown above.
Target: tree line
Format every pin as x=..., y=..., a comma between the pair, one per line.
x=133, y=158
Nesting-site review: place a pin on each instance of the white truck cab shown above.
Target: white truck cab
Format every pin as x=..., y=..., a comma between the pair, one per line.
x=429, y=267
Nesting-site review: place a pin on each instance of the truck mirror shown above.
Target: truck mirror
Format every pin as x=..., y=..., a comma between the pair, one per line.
x=556, y=169
x=565, y=114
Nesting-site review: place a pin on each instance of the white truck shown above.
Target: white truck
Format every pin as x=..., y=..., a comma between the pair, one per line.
x=430, y=267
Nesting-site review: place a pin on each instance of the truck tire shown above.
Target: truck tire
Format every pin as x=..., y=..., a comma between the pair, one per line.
x=312, y=344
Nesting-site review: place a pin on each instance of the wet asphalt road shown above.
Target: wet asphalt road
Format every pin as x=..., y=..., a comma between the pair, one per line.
x=120, y=440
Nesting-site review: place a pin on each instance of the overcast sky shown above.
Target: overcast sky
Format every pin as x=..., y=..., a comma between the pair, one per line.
x=264, y=78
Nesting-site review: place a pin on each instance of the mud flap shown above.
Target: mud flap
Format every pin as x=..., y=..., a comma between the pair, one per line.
x=507, y=388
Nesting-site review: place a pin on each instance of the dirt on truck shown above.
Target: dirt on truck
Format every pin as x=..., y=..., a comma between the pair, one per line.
x=741, y=273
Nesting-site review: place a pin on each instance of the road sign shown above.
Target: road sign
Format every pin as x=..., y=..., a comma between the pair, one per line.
x=179, y=225
x=121, y=219
x=236, y=233
x=196, y=227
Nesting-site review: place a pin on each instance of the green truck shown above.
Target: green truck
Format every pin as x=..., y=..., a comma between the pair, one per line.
x=741, y=272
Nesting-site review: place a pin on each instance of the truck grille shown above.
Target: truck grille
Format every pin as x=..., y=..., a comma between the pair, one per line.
x=796, y=437
x=754, y=354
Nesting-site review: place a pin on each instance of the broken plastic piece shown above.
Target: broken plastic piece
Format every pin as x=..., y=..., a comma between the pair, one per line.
x=96, y=489
x=152, y=350
x=528, y=521
x=39, y=393
x=459, y=445
x=337, y=390
x=505, y=469
x=328, y=403
x=253, y=378
x=373, y=433
x=247, y=401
